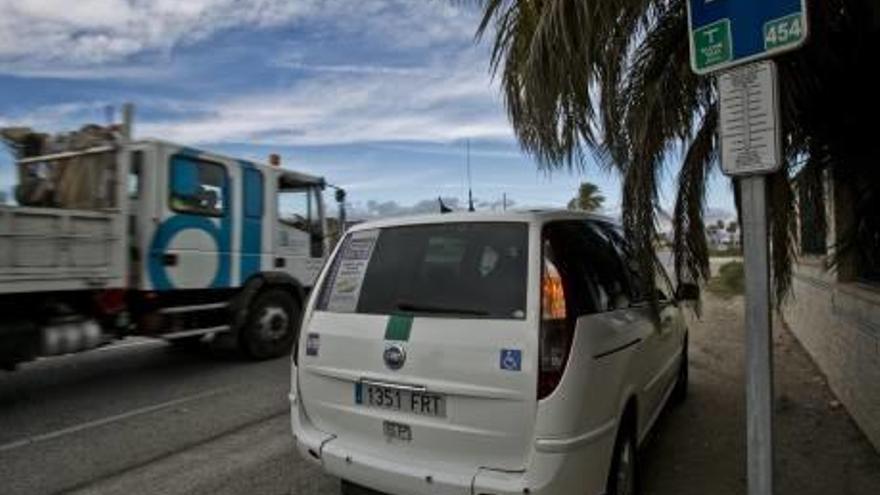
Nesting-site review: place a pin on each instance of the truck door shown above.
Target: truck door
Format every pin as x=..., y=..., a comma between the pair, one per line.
x=192, y=245
x=299, y=239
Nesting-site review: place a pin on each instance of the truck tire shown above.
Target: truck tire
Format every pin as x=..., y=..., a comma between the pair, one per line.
x=272, y=325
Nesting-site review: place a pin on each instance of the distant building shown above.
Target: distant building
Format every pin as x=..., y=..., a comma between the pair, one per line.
x=722, y=239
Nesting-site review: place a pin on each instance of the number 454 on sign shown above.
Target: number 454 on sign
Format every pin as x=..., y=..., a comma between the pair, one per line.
x=786, y=31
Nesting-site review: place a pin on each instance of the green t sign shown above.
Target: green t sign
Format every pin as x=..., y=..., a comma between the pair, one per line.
x=712, y=44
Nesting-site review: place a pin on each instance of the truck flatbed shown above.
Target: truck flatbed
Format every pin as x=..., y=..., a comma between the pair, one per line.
x=55, y=249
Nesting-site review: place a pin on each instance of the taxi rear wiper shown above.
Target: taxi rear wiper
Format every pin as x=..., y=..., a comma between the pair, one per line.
x=427, y=308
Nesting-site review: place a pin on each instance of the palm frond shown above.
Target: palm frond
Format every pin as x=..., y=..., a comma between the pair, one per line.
x=611, y=80
x=783, y=233
x=689, y=248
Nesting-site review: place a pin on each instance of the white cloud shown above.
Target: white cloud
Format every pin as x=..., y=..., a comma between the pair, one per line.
x=446, y=97
x=450, y=100
x=348, y=68
x=99, y=31
x=59, y=117
x=447, y=150
x=374, y=209
x=59, y=37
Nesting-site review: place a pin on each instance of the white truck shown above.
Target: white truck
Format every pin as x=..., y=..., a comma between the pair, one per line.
x=113, y=237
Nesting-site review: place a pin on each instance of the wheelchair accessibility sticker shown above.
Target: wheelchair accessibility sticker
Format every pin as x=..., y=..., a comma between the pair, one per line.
x=511, y=359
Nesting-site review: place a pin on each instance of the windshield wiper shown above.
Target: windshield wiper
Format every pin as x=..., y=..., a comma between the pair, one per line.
x=427, y=308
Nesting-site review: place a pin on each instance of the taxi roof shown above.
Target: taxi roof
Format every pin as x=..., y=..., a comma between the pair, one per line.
x=522, y=216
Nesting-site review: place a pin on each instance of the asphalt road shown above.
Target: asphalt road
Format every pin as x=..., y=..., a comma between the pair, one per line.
x=143, y=417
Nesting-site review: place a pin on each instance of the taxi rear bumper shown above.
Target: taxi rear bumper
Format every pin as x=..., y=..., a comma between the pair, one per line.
x=558, y=465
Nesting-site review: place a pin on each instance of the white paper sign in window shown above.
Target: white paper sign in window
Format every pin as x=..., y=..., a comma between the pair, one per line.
x=349, y=278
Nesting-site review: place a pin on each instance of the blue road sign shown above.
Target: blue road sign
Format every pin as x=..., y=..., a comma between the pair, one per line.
x=726, y=33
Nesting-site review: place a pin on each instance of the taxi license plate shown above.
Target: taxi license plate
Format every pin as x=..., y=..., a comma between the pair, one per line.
x=411, y=401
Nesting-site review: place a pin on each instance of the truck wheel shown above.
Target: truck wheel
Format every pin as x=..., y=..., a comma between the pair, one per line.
x=272, y=325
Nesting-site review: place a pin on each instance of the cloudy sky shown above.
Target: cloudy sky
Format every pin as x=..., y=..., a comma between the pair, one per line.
x=379, y=96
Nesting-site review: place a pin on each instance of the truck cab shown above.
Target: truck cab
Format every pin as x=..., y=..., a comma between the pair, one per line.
x=207, y=222
x=156, y=239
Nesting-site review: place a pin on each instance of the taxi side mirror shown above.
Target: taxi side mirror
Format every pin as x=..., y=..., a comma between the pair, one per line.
x=688, y=292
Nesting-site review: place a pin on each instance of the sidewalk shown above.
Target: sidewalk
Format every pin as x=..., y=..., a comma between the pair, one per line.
x=699, y=448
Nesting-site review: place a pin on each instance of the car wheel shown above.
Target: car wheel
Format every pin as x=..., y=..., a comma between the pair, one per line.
x=272, y=325
x=623, y=479
x=679, y=394
x=352, y=489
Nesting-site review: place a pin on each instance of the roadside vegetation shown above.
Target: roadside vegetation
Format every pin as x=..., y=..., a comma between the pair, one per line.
x=730, y=280
x=733, y=252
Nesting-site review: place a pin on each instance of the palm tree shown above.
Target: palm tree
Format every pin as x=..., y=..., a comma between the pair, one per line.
x=611, y=79
x=588, y=198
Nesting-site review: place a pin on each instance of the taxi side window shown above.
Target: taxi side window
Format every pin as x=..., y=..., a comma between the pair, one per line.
x=637, y=283
x=610, y=271
x=591, y=271
x=198, y=187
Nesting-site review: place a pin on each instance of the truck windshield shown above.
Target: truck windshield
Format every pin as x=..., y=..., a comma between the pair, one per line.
x=475, y=270
x=299, y=206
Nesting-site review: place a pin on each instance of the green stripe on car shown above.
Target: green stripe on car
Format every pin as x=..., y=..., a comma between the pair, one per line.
x=398, y=328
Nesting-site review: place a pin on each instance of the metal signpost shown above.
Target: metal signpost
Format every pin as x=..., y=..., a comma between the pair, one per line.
x=725, y=35
x=750, y=147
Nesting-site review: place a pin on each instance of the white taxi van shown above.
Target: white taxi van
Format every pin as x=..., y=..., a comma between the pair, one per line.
x=484, y=354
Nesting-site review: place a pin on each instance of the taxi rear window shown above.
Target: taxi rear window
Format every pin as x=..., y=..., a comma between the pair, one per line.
x=472, y=270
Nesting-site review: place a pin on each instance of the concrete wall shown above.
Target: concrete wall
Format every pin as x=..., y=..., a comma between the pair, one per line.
x=839, y=325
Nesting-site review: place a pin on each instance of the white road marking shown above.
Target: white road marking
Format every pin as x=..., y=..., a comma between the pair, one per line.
x=108, y=420
x=126, y=345
x=122, y=345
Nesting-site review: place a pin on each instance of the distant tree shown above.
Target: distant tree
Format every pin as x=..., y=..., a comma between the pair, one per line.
x=720, y=224
x=732, y=227
x=588, y=198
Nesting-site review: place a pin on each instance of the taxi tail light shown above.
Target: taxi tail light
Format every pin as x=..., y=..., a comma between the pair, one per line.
x=556, y=333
